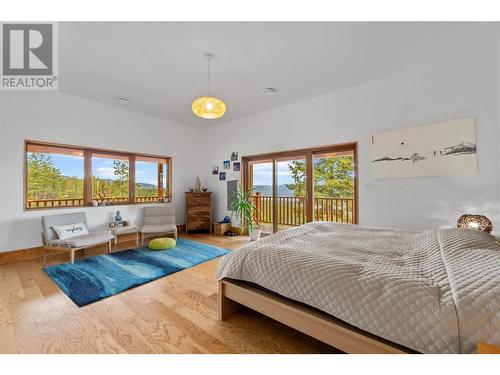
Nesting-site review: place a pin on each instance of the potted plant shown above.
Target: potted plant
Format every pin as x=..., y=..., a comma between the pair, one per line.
x=246, y=210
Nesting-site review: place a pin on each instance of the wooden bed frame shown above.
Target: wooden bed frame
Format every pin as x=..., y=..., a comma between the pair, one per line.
x=233, y=294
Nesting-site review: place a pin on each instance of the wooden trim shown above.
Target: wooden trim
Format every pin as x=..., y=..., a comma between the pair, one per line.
x=131, y=179
x=88, y=151
x=319, y=325
x=309, y=154
x=169, y=179
x=356, y=185
x=309, y=187
x=348, y=146
x=87, y=182
x=22, y=255
x=275, y=196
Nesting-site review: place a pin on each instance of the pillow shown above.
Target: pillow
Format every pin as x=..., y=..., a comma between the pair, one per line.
x=71, y=230
x=161, y=244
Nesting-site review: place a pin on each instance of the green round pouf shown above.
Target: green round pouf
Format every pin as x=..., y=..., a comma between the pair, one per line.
x=161, y=244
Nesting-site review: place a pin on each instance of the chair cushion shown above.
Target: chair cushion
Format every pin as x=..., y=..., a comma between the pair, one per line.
x=161, y=243
x=159, y=228
x=91, y=239
x=61, y=219
x=156, y=215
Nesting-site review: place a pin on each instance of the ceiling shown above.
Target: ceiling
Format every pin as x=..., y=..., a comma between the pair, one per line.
x=160, y=66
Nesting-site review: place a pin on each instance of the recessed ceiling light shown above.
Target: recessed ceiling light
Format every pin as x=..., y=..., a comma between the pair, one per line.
x=122, y=99
x=270, y=91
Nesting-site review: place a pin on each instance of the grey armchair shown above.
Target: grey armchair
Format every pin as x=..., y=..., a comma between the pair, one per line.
x=158, y=220
x=51, y=240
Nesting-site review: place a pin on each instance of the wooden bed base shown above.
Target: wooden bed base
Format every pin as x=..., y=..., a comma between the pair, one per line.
x=321, y=326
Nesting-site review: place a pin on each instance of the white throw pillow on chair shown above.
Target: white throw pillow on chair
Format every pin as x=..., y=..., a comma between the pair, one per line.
x=71, y=230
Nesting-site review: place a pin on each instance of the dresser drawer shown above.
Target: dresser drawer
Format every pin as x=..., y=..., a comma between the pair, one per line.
x=198, y=199
x=198, y=211
x=198, y=224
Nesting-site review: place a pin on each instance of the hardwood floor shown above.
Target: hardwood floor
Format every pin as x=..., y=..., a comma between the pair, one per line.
x=174, y=314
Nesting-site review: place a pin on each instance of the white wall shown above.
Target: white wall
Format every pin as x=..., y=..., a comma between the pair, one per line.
x=61, y=118
x=456, y=83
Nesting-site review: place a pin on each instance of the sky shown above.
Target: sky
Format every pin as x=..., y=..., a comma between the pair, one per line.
x=103, y=168
x=263, y=173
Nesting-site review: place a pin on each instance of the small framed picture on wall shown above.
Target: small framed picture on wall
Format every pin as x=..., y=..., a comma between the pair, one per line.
x=215, y=170
x=236, y=166
x=227, y=164
x=234, y=156
x=222, y=176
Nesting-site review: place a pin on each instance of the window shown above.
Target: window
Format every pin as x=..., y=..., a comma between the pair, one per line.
x=110, y=178
x=291, y=188
x=68, y=176
x=54, y=176
x=151, y=175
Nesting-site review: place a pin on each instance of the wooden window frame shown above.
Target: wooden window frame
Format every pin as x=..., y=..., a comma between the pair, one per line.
x=87, y=179
x=309, y=153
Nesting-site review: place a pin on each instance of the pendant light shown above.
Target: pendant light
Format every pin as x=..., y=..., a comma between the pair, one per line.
x=208, y=107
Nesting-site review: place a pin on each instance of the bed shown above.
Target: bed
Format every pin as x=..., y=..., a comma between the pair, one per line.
x=371, y=290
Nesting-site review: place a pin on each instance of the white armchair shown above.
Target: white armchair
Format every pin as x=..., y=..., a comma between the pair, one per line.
x=51, y=240
x=158, y=220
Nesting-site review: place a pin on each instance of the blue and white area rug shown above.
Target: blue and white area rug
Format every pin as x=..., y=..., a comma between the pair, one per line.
x=91, y=279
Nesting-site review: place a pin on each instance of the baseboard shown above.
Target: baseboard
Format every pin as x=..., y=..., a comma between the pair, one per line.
x=22, y=255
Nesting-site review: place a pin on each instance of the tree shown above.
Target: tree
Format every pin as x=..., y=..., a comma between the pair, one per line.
x=45, y=181
x=121, y=170
x=333, y=177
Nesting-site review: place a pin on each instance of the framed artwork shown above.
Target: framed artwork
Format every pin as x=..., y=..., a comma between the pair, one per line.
x=227, y=164
x=236, y=166
x=215, y=170
x=222, y=176
x=234, y=156
x=441, y=149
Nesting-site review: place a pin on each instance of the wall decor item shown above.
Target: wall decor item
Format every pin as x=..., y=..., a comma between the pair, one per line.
x=234, y=156
x=222, y=176
x=440, y=149
x=227, y=164
x=236, y=166
x=215, y=170
x=232, y=188
x=197, y=184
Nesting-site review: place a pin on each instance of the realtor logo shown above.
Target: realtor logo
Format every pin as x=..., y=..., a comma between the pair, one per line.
x=28, y=56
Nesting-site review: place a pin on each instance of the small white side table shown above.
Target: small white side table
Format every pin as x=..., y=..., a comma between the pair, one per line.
x=124, y=230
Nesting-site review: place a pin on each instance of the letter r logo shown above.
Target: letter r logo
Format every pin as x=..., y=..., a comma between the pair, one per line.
x=27, y=49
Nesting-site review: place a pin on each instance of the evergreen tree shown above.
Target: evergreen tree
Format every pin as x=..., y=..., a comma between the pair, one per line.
x=333, y=177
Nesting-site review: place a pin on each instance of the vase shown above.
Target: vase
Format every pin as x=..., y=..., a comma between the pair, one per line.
x=197, y=184
x=255, y=234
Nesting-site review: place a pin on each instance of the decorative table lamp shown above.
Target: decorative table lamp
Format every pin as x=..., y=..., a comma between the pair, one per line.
x=476, y=222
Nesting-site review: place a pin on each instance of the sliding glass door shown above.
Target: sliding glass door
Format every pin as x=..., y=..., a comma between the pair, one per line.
x=260, y=173
x=295, y=187
x=291, y=189
x=334, y=186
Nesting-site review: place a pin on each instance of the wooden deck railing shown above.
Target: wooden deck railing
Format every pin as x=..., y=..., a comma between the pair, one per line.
x=75, y=202
x=292, y=210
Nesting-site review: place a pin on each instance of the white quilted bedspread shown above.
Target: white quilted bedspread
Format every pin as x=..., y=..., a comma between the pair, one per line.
x=431, y=291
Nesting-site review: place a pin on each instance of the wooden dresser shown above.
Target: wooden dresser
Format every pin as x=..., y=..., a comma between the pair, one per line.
x=198, y=211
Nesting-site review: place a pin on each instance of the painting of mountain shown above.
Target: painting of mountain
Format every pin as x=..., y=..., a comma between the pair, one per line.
x=447, y=148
